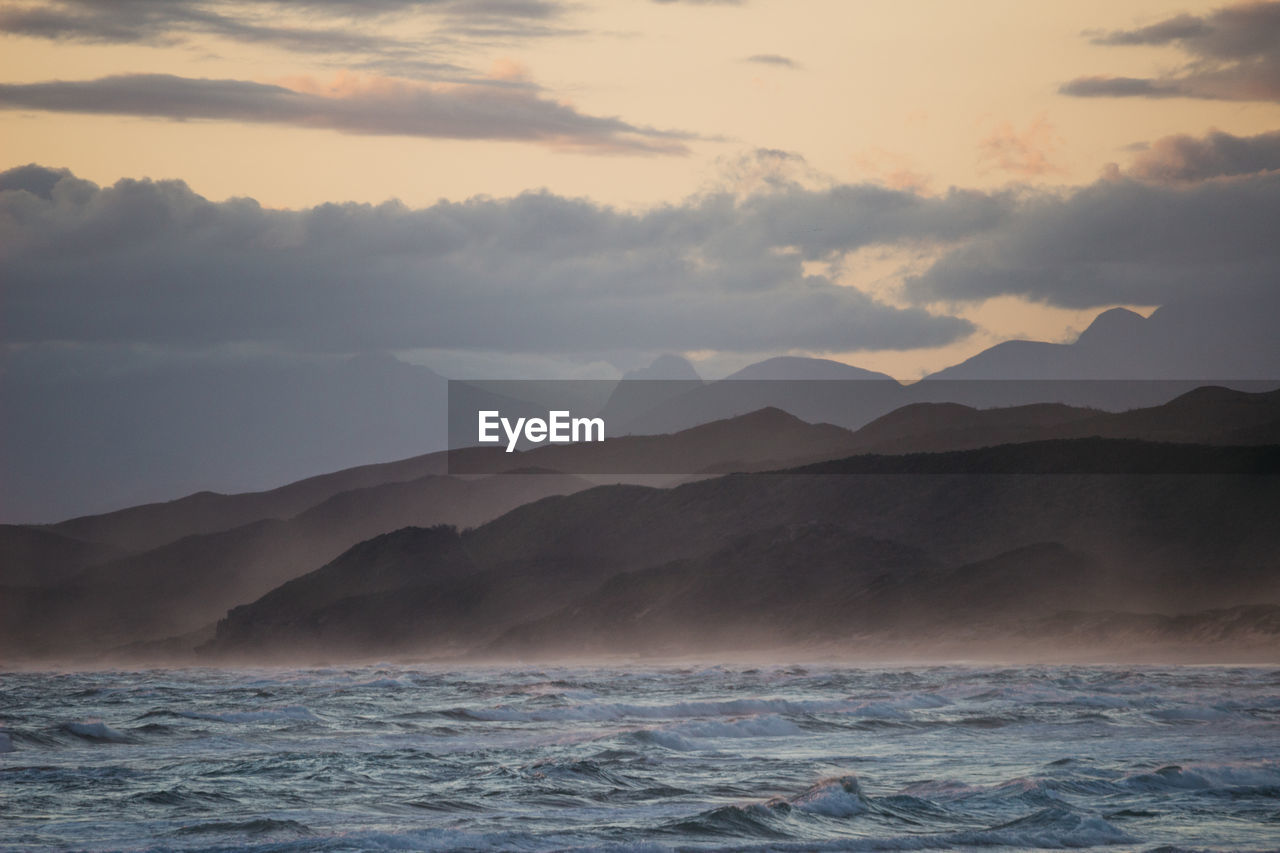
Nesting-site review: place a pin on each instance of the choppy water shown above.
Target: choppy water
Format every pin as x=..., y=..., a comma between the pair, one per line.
x=779, y=758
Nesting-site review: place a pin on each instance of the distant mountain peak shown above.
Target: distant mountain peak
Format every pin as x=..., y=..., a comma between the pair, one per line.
x=800, y=367
x=769, y=417
x=666, y=366
x=1116, y=325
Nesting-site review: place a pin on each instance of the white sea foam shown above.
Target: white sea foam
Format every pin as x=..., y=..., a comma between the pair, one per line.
x=832, y=798
x=95, y=730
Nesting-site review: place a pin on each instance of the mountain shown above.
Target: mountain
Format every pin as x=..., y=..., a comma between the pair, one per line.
x=927, y=427
x=1014, y=373
x=77, y=444
x=794, y=368
x=759, y=440
x=130, y=431
x=974, y=534
x=814, y=390
x=179, y=586
x=148, y=526
x=665, y=367
x=30, y=556
x=1206, y=415
x=768, y=438
x=1193, y=339
x=807, y=583
x=642, y=390
x=771, y=438
x=95, y=595
x=244, y=545
x=86, y=443
x=762, y=590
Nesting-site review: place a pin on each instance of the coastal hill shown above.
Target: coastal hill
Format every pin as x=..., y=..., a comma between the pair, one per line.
x=63, y=594
x=807, y=555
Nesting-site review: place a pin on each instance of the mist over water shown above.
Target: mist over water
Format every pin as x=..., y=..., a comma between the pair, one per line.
x=655, y=758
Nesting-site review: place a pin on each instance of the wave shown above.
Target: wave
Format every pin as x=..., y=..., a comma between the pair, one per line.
x=609, y=711
x=183, y=796
x=833, y=798
x=842, y=799
x=1241, y=777
x=258, y=826
x=97, y=731
x=294, y=713
x=583, y=770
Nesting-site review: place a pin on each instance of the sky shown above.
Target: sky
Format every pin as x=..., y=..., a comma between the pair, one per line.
x=531, y=188
x=672, y=126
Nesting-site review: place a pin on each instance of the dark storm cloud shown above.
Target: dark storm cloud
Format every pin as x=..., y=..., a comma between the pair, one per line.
x=773, y=59
x=1187, y=158
x=155, y=264
x=371, y=107
x=1233, y=53
x=1123, y=241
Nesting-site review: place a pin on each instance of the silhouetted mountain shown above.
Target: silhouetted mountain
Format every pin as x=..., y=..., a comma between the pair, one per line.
x=665, y=366
x=181, y=585
x=771, y=438
x=82, y=441
x=147, y=526
x=1180, y=341
x=1151, y=541
x=134, y=436
x=31, y=556
x=795, y=368
x=806, y=584
x=773, y=587
x=1207, y=415
x=648, y=388
x=763, y=440
x=929, y=427
x=760, y=440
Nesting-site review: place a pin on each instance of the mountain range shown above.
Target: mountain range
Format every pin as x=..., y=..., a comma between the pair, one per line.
x=866, y=547
x=79, y=443
x=1085, y=486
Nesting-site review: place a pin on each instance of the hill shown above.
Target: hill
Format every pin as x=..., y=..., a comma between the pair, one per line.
x=990, y=541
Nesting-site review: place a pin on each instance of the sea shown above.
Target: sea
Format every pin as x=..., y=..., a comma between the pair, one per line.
x=642, y=757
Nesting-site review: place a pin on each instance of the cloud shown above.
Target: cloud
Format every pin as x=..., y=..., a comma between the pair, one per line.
x=1027, y=153
x=764, y=170
x=773, y=59
x=376, y=106
x=1233, y=53
x=152, y=263
x=1122, y=242
x=1183, y=158
x=422, y=38
x=173, y=22
x=1120, y=87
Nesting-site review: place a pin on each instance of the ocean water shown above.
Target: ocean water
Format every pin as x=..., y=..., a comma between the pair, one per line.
x=648, y=758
